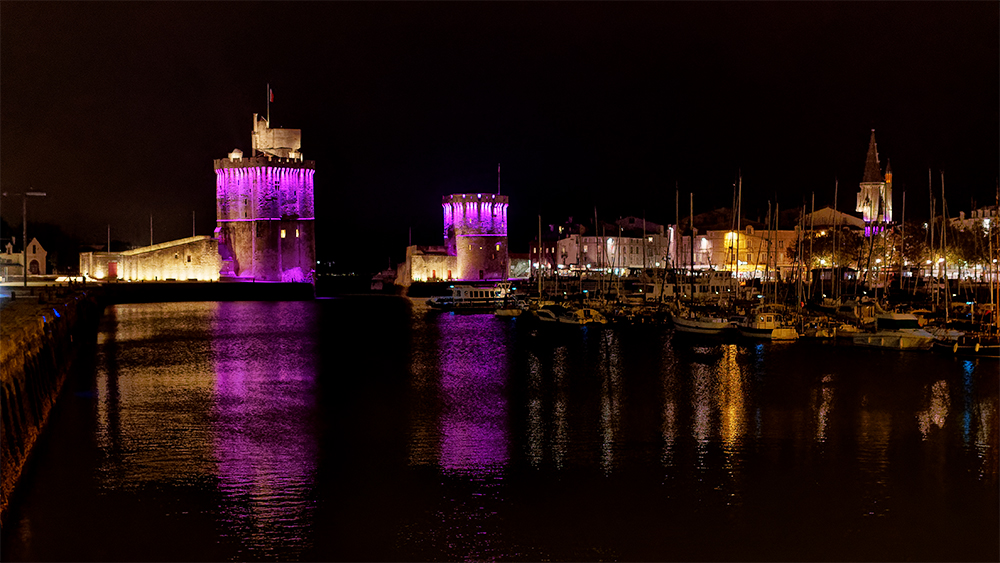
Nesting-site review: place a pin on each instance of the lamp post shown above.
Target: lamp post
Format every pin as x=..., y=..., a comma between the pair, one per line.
x=24, y=229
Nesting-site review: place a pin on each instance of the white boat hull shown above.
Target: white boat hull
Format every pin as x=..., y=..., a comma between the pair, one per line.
x=894, y=340
x=780, y=333
x=702, y=325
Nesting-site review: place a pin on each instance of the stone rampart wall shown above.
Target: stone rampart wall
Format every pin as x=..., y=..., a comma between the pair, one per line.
x=193, y=258
x=41, y=336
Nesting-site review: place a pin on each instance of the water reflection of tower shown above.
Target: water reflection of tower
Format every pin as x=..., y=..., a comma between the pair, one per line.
x=264, y=208
x=475, y=232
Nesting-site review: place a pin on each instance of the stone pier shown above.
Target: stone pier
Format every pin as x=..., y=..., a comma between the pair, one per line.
x=41, y=331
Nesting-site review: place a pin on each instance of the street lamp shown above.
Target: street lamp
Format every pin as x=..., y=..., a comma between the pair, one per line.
x=24, y=227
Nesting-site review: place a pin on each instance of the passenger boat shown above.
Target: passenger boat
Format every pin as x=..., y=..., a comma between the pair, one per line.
x=473, y=299
x=899, y=331
x=768, y=321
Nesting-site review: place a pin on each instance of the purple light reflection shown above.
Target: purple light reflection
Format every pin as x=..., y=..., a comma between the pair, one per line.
x=459, y=371
x=473, y=423
x=264, y=443
x=460, y=426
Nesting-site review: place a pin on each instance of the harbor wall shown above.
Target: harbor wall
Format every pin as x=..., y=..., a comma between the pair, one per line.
x=42, y=332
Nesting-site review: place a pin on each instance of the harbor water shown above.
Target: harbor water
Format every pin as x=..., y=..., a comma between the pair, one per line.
x=373, y=428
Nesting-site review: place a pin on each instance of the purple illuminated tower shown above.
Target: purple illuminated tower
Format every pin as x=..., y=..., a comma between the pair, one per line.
x=475, y=232
x=875, y=195
x=264, y=209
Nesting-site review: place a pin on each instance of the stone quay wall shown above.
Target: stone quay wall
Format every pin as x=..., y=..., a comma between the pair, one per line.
x=41, y=333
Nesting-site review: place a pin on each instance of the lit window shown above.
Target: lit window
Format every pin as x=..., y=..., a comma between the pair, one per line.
x=296, y=233
x=282, y=233
x=498, y=246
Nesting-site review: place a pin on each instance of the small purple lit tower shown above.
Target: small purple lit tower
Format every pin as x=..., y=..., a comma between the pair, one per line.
x=875, y=194
x=264, y=209
x=475, y=232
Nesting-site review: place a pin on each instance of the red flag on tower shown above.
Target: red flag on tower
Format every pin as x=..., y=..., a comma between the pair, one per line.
x=271, y=93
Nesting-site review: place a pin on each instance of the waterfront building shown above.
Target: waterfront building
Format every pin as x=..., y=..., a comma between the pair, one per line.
x=747, y=253
x=982, y=218
x=875, y=194
x=187, y=259
x=426, y=264
x=264, y=232
x=12, y=261
x=630, y=243
x=264, y=208
x=475, y=243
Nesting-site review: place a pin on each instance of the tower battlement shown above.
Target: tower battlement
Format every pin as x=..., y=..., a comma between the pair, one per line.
x=475, y=231
x=264, y=208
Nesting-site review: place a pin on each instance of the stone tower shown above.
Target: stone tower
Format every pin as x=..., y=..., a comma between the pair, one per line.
x=264, y=209
x=875, y=195
x=475, y=232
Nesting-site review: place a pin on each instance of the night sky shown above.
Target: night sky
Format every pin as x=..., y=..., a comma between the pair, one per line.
x=117, y=110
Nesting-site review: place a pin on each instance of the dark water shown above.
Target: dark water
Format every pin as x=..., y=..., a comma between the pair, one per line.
x=367, y=429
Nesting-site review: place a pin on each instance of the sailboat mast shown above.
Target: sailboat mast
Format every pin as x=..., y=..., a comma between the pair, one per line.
x=767, y=254
x=739, y=220
x=691, y=226
x=902, y=242
x=776, y=271
x=833, y=258
x=539, y=269
x=944, y=248
x=996, y=266
x=812, y=235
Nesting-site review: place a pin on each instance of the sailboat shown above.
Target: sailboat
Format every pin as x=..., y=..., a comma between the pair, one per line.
x=692, y=322
x=985, y=341
x=769, y=320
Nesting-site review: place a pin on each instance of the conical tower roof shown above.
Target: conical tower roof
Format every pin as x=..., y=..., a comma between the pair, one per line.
x=872, y=171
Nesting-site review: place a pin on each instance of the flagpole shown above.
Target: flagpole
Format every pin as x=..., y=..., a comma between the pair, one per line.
x=268, y=94
x=498, y=178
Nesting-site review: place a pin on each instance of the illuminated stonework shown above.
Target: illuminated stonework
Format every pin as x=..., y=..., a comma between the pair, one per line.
x=875, y=195
x=264, y=209
x=187, y=259
x=475, y=232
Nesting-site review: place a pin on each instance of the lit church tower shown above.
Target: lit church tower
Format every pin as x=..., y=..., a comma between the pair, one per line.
x=875, y=196
x=264, y=209
x=475, y=232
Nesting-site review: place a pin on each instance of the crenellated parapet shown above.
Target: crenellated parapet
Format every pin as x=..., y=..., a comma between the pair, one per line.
x=264, y=188
x=475, y=231
x=265, y=210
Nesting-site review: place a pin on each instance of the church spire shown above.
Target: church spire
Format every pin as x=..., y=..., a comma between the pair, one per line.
x=873, y=172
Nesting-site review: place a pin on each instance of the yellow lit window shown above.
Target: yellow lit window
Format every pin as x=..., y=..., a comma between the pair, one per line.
x=282, y=233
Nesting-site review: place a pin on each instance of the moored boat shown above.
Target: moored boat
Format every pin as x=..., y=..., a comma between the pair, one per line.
x=702, y=324
x=769, y=322
x=981, y=343
x=473, y=299
x=556, y=314
x=899, y=331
